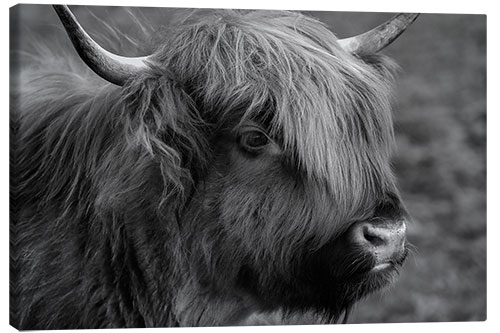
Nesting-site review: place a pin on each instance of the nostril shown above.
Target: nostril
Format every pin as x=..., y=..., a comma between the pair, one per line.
x=384, y=240
x=372, y=237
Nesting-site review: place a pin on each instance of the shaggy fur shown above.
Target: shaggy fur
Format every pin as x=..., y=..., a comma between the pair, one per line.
x=136, y=206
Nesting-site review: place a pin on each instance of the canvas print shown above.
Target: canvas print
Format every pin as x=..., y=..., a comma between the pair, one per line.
x=227, y=167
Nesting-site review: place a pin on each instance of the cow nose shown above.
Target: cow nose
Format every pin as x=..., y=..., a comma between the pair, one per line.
x=385, y=240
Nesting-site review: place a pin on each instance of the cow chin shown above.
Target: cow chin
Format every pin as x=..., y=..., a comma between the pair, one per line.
x=328, y=282
x=340, y=274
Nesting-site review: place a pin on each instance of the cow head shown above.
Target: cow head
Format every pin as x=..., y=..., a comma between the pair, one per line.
x=291, y=200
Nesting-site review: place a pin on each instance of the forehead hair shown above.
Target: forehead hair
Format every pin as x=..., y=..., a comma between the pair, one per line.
x=329, y=108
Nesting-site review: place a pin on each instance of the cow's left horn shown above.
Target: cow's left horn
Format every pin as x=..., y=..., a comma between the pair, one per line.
x=111, y=67
x=376, y=39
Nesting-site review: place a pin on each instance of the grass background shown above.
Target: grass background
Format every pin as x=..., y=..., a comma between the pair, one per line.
x=440, y=161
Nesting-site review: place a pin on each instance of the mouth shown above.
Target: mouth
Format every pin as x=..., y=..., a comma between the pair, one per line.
x=382, y=267
x=391, y=264
x=386, y=272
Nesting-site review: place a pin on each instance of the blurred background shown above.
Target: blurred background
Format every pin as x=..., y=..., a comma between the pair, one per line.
x=440, y=123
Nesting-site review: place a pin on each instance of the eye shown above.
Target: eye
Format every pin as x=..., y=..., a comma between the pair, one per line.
x=253, y=140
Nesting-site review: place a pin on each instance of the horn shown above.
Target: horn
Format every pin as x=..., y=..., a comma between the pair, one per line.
x=111, y=67
x=376, y=39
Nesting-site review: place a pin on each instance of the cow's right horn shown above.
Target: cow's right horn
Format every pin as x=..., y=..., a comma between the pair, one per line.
x=111, y=67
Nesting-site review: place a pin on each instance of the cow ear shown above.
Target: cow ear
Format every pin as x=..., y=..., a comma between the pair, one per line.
x=165, y=123
x=165, y=141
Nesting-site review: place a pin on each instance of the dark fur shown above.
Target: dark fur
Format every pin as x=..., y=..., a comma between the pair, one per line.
x=135, y=206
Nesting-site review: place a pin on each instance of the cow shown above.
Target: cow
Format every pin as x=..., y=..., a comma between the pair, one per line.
x=241, y=169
